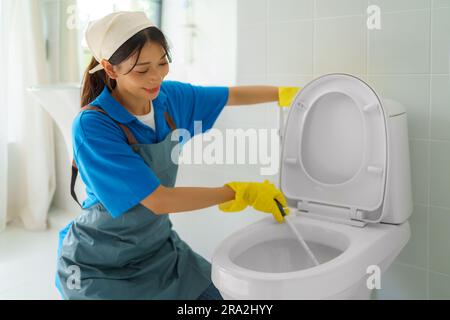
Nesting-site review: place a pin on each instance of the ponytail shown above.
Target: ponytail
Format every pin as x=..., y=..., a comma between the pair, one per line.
x=93, y=84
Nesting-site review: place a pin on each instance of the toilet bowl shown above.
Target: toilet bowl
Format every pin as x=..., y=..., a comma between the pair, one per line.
x=264, y=260
x=345, y=173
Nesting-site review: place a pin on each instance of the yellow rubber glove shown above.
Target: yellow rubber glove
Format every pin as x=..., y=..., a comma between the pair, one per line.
x=286, y=95
x=258, y=195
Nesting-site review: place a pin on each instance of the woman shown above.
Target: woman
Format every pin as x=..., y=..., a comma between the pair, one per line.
x=123, y=246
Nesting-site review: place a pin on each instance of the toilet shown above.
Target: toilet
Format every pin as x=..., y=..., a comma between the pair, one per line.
x=346, y=176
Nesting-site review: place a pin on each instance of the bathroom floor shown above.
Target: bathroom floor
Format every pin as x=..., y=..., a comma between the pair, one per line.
x=27, y=260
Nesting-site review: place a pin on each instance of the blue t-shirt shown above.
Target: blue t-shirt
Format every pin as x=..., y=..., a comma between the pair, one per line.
x=113, y=173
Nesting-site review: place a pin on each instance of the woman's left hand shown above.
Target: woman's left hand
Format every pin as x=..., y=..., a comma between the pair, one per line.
x=286, y=95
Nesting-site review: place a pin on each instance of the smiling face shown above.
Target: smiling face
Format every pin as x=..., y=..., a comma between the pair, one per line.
x=144, y=80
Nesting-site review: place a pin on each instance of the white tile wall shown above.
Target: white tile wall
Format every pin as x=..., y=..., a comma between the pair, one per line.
x=340, y=44
x=289, y=10
x=289, y=41
x=332, y=8
x=440, y=45
x=401, y=5
x=402, y=45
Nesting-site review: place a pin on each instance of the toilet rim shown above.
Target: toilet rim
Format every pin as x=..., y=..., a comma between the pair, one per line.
x=224, y=260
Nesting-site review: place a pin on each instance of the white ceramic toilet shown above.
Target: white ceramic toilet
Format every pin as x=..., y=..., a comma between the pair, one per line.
x=345, y=173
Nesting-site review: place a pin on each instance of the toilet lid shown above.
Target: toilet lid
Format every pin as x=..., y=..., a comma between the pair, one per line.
x=335, y=145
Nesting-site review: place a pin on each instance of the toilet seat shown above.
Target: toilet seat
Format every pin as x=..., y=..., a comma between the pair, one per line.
x=335, y=150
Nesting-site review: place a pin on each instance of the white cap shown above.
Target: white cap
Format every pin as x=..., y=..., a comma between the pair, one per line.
x=106, y=35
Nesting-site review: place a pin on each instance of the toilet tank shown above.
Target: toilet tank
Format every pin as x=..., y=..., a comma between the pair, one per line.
x=399, y=203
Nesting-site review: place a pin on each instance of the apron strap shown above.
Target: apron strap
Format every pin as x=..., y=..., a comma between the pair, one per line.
x=170, y=121
x=130, y=139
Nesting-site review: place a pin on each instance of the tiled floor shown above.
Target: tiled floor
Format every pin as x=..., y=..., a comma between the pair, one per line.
x=27, y=260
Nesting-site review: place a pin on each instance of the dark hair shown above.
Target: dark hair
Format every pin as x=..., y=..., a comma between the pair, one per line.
x=93, y=84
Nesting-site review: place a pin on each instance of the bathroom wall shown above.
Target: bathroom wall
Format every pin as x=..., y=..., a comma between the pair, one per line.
x=289, y=42
x=205, y=54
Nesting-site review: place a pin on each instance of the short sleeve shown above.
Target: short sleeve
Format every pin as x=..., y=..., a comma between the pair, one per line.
x=118, y=176
x=198, y=103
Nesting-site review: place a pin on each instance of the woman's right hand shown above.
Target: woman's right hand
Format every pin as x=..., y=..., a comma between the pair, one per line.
x=261, y=196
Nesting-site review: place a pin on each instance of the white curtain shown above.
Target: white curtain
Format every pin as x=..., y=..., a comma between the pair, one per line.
x=30, y=147
x=4, y=21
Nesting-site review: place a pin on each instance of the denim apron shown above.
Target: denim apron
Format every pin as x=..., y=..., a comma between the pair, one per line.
x=136, y=255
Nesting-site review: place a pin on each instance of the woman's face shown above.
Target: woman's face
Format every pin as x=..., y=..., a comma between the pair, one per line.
x=145, y=79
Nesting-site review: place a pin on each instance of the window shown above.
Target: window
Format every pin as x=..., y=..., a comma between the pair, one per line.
x=65, y=22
